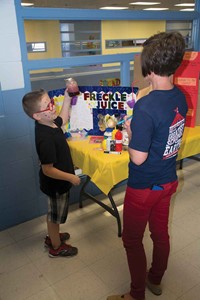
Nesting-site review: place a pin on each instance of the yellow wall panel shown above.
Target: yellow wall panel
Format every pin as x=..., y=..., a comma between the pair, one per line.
x=128, y=30
x=49, y=32
x=44, y=31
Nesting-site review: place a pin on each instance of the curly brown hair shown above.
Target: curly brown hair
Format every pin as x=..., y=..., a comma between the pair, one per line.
x=162, y=53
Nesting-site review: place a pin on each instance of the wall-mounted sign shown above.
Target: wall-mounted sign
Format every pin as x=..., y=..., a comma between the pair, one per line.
x=36, y=47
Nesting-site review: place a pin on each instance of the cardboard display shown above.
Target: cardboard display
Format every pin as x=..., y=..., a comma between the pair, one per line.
x=197, y=120
x=186, y=78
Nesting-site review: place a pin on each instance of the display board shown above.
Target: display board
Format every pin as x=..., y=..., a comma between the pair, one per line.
x=187, y=79
x=97, y=106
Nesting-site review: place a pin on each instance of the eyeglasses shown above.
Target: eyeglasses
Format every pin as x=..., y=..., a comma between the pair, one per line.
x=49, y=107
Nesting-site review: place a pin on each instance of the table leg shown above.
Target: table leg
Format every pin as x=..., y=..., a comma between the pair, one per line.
x=82, y=191
x=194, y=157
x=112, y=210
x=190, y=157
x=115, y=214
x=181, y=164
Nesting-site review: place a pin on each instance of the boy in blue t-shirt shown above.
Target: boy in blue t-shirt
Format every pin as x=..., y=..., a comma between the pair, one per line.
x=155, y=134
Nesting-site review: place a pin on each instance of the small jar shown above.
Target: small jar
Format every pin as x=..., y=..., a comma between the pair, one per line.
x=72, y=87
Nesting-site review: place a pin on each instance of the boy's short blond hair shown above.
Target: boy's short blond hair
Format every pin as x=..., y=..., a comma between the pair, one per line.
x=31, y=102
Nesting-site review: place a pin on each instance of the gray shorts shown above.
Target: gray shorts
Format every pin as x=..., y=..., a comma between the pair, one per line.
x=58, y=208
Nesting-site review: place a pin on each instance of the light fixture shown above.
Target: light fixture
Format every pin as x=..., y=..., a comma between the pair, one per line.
x=156, y=8
x=114, y=7
x=27, y=4
x=185, y=4
x=187, y=9
x=144, y=3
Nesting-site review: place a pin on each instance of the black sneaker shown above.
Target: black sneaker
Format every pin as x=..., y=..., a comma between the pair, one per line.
x=63, y=237
x=63, y=250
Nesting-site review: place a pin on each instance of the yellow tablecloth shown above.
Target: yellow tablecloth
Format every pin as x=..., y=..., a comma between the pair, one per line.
x=106, y=170
x=190, y=143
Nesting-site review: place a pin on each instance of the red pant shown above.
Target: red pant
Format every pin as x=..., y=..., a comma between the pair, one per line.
x=142, y=206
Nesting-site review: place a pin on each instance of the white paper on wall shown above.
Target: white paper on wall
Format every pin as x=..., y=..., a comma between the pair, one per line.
x=81, y=115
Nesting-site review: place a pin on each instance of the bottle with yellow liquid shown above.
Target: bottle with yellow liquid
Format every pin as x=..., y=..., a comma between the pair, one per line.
x=113, y=133
x=104, y=144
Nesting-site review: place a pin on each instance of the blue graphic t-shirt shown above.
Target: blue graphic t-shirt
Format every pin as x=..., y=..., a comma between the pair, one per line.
x=157, y=128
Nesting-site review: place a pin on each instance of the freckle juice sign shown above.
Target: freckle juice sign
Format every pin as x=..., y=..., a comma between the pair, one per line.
x=107, y=100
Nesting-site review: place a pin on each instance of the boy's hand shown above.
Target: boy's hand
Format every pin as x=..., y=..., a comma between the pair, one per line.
x=65, y=110
x=127, y=127
x=75, y=180
x=66, y=95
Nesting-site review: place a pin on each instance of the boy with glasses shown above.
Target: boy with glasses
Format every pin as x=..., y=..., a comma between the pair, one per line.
x=56, y=166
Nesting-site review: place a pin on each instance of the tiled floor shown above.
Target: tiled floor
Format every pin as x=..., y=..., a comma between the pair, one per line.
x=100, y=268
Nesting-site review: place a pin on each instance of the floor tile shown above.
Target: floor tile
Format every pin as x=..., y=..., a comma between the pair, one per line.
x=55, y=269
x=81, y=286
x=100, y=268
x=112, y=269
x=12, y=258
x=27, y=229
x=180, y=276
x=5, y=239
x=21, y=283
x=47, y=294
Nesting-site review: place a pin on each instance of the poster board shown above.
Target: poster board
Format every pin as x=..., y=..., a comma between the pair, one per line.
x=95, y=105
x=186, y=78
x=197, y=121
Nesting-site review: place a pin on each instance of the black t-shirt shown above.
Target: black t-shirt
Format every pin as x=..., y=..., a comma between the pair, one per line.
x=52, y=148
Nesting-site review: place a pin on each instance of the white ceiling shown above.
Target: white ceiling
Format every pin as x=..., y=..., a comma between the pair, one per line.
x=96, y=4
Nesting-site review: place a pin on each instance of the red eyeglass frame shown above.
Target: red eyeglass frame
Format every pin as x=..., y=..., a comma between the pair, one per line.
x=49, y=107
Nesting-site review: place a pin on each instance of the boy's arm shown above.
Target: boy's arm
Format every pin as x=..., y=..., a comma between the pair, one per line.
x=137, y=157
x=52, y=172
x=65, y=110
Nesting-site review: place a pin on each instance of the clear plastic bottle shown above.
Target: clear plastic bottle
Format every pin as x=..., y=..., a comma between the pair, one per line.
x=113, y=133
x=72, y=89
